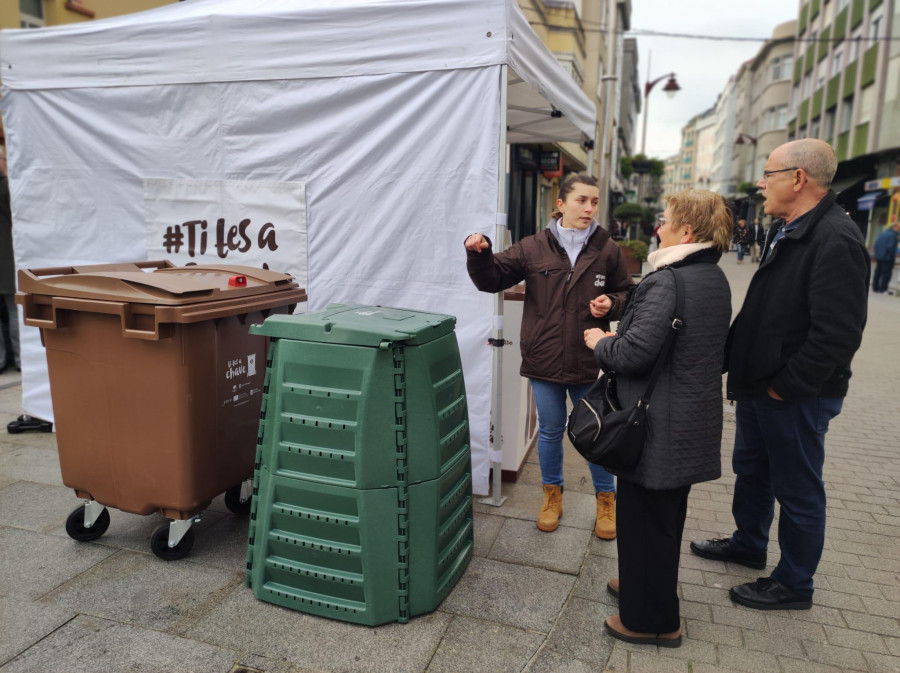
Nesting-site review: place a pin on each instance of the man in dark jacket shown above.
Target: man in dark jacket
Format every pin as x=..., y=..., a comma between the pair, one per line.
x=788, y=361
x=885, y=256
x=7, y=277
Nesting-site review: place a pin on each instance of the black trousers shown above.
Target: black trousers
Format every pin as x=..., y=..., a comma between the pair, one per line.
x=649, y=527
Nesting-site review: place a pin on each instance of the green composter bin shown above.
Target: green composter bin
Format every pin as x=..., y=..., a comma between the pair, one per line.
x=362, y=488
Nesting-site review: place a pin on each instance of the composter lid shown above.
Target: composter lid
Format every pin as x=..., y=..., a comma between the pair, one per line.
x=359, y=326
x=169, y=285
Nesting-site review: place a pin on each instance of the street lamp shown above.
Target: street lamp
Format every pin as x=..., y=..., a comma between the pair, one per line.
x=671, y=88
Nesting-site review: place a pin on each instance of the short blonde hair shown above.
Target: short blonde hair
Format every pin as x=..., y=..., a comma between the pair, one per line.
x=707, y=213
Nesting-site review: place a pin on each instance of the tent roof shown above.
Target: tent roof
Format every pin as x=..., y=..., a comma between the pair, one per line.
x=239, y=40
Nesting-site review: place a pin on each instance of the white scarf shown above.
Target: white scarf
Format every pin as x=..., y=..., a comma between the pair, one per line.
x=675, y=253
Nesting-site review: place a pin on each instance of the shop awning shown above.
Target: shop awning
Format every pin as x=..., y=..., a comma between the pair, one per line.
x=867, y=202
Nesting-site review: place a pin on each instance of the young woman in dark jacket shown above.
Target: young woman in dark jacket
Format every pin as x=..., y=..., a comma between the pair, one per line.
x=685, y=411
x=575, y=279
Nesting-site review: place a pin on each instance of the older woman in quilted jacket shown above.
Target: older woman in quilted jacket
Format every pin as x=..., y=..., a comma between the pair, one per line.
x=685, y=412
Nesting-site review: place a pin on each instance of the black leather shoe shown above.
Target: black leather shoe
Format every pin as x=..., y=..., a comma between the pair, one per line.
x=721, y=550
x=768, y=594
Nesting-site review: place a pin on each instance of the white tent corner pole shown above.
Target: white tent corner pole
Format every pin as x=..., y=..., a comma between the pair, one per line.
x=497, y=341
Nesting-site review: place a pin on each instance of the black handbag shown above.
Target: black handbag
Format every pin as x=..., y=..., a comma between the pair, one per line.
x=600, y=429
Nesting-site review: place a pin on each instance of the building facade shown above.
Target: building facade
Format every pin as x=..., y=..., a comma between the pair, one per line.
x=846, y=91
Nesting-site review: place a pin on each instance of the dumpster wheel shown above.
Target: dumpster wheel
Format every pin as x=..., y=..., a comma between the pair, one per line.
x=159, y=544
x=233, y=500
x=76, y=529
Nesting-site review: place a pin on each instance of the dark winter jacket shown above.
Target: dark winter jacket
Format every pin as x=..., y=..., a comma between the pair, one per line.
x=557, y=298
x=742, y=235
x=7, y=263
x=685, y=412
x=804, y=313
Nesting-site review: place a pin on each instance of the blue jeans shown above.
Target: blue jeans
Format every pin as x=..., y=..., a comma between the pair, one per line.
x=741, y=251
x=550, y=399
x=779, y=452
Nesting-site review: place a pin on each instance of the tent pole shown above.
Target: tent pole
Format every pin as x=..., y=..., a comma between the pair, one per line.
x=496, y=449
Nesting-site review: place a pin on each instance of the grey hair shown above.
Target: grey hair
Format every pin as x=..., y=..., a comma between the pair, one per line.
x=814, y=156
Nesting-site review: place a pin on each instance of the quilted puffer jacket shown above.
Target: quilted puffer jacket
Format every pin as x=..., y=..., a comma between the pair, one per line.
x=685, y=413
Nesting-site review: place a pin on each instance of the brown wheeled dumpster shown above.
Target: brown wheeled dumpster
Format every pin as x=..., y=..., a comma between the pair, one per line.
x=156, y=385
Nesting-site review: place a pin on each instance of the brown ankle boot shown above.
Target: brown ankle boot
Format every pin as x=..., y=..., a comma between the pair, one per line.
x=605, y=527
x=551, y=510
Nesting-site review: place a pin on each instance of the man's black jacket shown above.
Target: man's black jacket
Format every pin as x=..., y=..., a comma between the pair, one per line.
x=804, y=313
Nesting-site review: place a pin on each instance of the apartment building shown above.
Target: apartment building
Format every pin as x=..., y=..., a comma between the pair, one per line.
x=845, y=91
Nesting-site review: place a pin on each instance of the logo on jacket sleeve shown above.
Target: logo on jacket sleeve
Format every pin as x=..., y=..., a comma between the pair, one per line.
x=600, y=281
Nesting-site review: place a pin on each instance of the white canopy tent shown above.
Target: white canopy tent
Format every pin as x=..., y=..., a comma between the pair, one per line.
x=385, y=120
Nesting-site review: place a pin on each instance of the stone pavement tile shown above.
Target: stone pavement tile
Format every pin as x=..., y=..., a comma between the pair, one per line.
x=523, y=543
x=713, y=633
x=697, y=611
x=837, y=599
x=863, y=622
x=523, y=501
x=835, y=656
x=831, y=569
x=487, y=527
x=88, y=645
x=30, y=463
x=893, y=645
x=712, y=596
x=882, y=608
x=820, y=615
x=144, y=590
x=850, y=547
x=34, y=506
x=786, y=625
x=691, y=576
x=607, y=548
x=851, y=586
x=735, y=658
x=222, y=543
x=882, y=663
x=23, y=623
x=690, y=560
x=739, y=616
x=693, y=651
x=647, y=662
x=244, y=623
x=579, y=634
x=789, y=665
x=773, y=643
x=891, y=593
x=254, y=662
x=500, y=648
x=885, y=564
x=592, y=579
x=33, y=440
x=848, y=514
x=863, y=537
x=554, y=663
x=873, y=576
x=856, y=640
x=529, y=598
x=707, y=668
x=618, y=659
x=32, y=564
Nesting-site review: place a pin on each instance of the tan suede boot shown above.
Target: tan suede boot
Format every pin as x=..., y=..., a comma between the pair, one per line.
x=552, y=510
x=605, y=528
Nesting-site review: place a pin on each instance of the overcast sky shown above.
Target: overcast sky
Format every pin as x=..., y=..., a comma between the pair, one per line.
x=702, y=67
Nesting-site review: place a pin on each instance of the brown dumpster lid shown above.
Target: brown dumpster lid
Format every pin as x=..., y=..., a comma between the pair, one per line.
x=167, y=285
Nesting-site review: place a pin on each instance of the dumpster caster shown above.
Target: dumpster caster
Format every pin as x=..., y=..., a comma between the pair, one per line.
x=88, y=522
x=173, y=540
x=237, y=498
x=25, y=422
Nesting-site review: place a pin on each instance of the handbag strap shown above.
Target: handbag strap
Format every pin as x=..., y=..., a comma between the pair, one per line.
x=667, y=346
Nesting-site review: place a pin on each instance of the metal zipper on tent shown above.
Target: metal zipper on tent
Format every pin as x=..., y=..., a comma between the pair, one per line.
x=400, y=412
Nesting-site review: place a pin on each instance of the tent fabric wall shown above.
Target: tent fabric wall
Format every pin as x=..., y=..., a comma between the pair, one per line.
x=399, y=151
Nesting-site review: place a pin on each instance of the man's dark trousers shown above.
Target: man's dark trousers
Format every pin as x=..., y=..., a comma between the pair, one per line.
x=779, y=452
x=882, y=277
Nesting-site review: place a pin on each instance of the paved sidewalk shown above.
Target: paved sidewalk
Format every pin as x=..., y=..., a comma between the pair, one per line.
x=529, y=601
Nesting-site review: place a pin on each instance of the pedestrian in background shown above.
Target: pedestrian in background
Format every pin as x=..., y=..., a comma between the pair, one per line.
x=576, y=278
x=757, y=239
x=885, y=256
x=684, y=437
x=9, y=352
x=788, y=362
x=742, y=240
